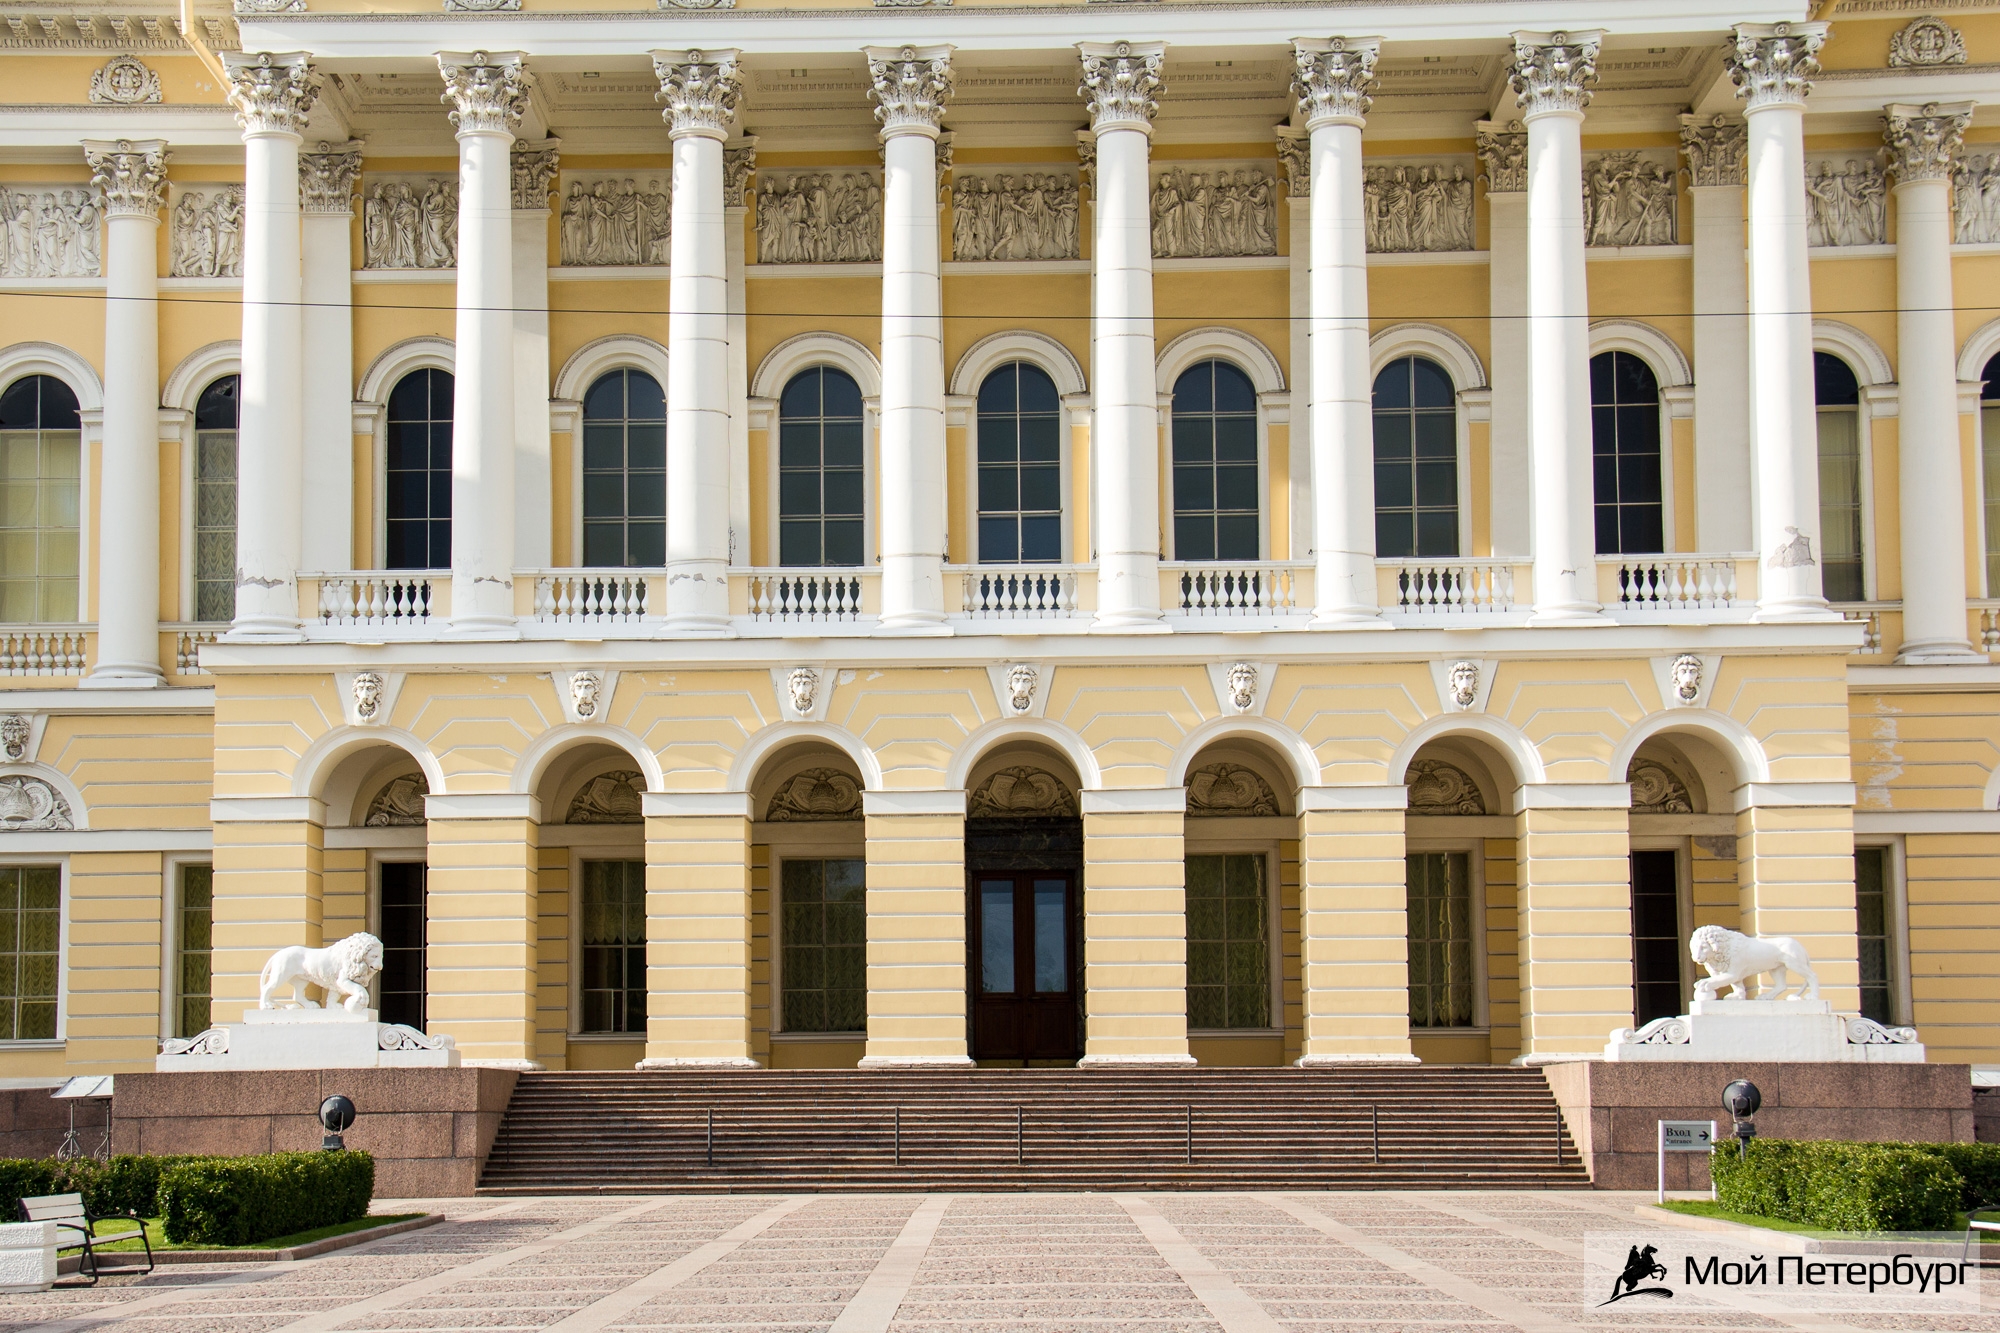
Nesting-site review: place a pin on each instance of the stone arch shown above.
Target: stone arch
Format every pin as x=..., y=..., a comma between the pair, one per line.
x=1668, y=362
x=325, y=756
x=997, y=349
x=44, y=358
x=1246, y=353
x=1865, y=357
x=199, y=369
x=1217, y=786
x=1523, y=762
x=550, y=747
x=599, y=357
x=1430, y=341
x=804, y=351
x=1730, y=738
x=765, y=745
x=1006, y=731
x=1287, y=748
x=392, y=363
x=59, y=783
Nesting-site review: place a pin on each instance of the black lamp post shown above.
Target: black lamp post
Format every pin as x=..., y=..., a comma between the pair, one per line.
x=1741, y=1099
x=337, y=1114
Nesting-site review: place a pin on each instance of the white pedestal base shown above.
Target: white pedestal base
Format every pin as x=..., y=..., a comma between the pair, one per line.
x=1766, y=1030
x=308, y=1039
x=27, y=1256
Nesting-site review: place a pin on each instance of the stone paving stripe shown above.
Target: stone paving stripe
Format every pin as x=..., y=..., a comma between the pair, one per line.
x=325, y=1320
x=1234, y=1308
x=1496, y=1303
x=875, y=1305
x=608, y=1310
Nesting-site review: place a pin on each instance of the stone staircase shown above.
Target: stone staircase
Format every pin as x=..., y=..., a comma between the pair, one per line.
x=1433, y=1127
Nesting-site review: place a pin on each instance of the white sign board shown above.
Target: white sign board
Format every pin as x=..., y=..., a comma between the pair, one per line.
x=1683, y=1136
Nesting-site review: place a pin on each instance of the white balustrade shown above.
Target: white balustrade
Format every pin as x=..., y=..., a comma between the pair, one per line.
x=389, y=597
x=1666, y=582
x=1264, y=587
x=188, y=640
x=1445, y=587
x=590, y=597
x=1020, y=591
x=805, y=594
x=30, y=650
x=1871, y=635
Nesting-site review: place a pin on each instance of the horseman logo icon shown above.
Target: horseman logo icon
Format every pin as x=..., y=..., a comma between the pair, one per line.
x=1640, y=1266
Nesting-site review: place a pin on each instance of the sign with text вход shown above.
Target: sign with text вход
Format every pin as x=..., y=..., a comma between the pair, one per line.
x=1683, y=1136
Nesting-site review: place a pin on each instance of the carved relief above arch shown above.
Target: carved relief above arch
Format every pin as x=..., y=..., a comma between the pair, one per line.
x=814, y=796
x=1657, y=789
x=400, y=803
x=1439, y=788
x=1022, y=792
x=1223, y=789
x=609, y=798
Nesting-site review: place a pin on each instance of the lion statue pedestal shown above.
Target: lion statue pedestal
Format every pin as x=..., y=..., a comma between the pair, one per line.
x=350, y=1036
x=1773, y=1026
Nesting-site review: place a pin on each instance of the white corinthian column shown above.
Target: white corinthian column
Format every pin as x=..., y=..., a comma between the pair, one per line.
x=1771, y=65
x=1922, y=140
x=130, y=179
x=1553, y=74
x=910, y=86
x=1120, y=80
x=700, y=89
x=1331, y=82
x=271, y=94
x=326, y=196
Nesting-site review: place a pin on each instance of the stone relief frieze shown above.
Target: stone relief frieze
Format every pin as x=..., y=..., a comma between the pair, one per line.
x=1014, y=793
x=205, y=233
x=1438, y=788
x=1213, y=214
x=1846, y=203
x=1032, y=215
x=1411, y=207
x=814, y=796
x=410, y=222
x=819, y=218
x=609, y=798
x=400, y=804
x=1229, y=789
x=1630, y=199
x=28, y=804
x=52, y=232
x=616, y=219
x=1975, y=200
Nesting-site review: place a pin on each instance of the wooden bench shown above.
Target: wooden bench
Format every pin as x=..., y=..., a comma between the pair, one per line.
x=77, y=1229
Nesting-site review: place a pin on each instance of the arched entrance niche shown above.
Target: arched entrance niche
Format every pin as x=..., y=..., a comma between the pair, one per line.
x=1241, y=876
x=1683, y=833
x=590, y=879
x=373, y=871
x=808, y=905
x=1459, y=859
x=1024, y=907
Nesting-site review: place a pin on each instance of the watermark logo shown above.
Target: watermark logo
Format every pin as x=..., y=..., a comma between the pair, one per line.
x=1934, y=1274
x=1640, y=1266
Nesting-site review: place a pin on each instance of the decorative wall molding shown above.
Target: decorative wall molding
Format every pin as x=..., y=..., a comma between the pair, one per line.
x=327, y=177
x=1846, y=203
x=124, y=81
x=30, y=804
x=1715, y=150
x=1503, y=156
x=533, y=172
x=1656, y=790
x=1926, y=42
x=205, y=233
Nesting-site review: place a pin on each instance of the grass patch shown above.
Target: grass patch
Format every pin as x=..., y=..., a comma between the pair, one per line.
x=160, y=1242
x=1709, y=1208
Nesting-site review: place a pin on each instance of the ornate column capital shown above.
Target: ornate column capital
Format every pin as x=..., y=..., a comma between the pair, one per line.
x=1295, y=156
x=487, y=91
x=1121, y=82
x=271, y=93
x=910, y=85
x=327, y=177
x=1772, y=64
x=534, y=167
x=130, y=175
x=700, y=89
x=1503, y=153
x=739, y=162
x=1923, y=140
x=1086, y=158
x=1715, y=150
x=1331, y=77
x=1554, y=71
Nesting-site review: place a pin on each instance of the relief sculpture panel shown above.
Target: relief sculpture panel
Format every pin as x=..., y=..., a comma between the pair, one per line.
x=1975, y=198
x=1847, y=203
x=1210, y=214
x=613, y=219
x=205, y=234
x=1629, y=199
x=410, y=222
x=819, y=218
x=1417, y=207
x=1007, y=216
x=52, y=232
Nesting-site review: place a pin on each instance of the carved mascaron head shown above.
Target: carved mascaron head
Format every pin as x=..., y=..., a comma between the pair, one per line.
x=802, y=684
x=1242, y=686
x=367, y=695
x=1464, y=680
x=1021, y=682
x=14, y=731
x=584, y=689
x=1687, y=678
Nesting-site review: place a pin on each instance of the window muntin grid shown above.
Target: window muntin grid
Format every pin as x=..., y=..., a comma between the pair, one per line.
x=1216, y=509
x=419, y=471
x=1228, y=942
x=41, y=473
x=1837, y=396
x=614, y=946
x=1439, y=887
x=1625, y=455
x=1020, y=466
x=624, y=471
x=1416, y=460
x=822, y=486
x=823, y=945
x=215, y=426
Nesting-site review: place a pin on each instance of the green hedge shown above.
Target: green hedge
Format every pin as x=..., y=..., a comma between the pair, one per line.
x=125, y=1184
x=1847, y=1186
x=242, y=1200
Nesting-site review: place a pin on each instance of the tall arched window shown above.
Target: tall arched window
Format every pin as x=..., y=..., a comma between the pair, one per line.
x=625, y=471
x=41, y=444
x=1838, y=397
x=1416, y=460
x=1020, y=468
x=215, y=501
x=1625, y=453
x=1215, y=464
x=419, y=471
x=1989, y=470
x=821, y=485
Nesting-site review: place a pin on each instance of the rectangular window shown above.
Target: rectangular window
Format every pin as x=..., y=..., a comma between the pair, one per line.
x=1989, y=475
x=1439, y=885
x=215, y=525
x=1656, y=935
x=1840, y=534
x=614, y=946
x=1874, y=933
x=191, y=950
x=823, y=952
x=405, y=936
x=30, y=935
x=40, y=521
x=1228, y=943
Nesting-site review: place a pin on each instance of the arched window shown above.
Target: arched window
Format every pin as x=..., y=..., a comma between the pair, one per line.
x=625, y=471
x=1215, y=464
x=419, y=468
x=1989, y=470
x=1416, y=460
x=1840, y=537
x=1625, y=453
x=821, y=486
x=41, y=442
x=1020, y=468
x=215, y=501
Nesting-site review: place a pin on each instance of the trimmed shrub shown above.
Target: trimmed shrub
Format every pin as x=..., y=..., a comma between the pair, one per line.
x=1841, y=1186
x=128, y=1183
x=242, y=1200
x=1979, y=1163
x=29, y=1177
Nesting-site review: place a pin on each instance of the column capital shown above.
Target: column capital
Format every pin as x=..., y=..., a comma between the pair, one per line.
x=910, y=85
x=1923, y=139
x=700, y=89
x=1715, y=150
x=1331, y=77
x=271, y=92
x=130, y=174
x=1121, y=82
x=1772, y=64
x=739, y=163
x=1086, y=157
x=487, y=91
x=1295, y=155
x=1554, y=71
x=327, y=176
x=534, y=168
x=1504, y=155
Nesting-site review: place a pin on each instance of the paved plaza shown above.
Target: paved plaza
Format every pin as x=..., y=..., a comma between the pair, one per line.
x=1162, y=1263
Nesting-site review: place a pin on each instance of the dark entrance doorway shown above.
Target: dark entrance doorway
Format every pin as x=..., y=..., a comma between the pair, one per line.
x=404, y=934
x=1024, y=938
x=1656, y=936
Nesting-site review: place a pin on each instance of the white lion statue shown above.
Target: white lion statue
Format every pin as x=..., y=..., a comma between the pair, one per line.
x=342, y=969
x=1735, y=959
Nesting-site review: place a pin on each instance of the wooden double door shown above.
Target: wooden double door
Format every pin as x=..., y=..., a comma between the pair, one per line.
x=1023, y=965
